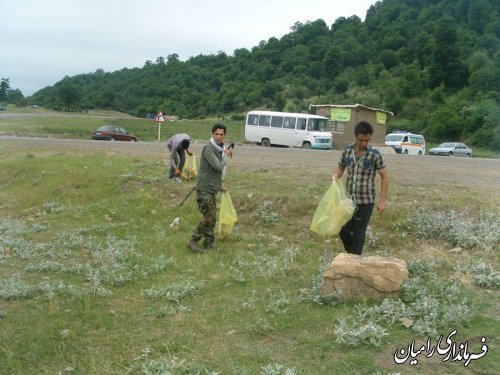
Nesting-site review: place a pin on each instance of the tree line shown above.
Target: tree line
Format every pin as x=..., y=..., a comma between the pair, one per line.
x=434, y=63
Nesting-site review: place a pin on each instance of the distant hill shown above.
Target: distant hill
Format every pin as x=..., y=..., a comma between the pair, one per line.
x=434, y=63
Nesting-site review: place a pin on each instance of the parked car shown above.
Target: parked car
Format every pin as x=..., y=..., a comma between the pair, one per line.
x=451, y=149
x=113, y=133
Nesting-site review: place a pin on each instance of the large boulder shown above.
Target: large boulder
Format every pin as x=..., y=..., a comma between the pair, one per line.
x=355, y=276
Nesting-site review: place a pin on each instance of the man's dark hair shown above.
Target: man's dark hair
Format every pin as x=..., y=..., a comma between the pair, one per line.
x=363, y=128
x=218, y=126
x=185, y=144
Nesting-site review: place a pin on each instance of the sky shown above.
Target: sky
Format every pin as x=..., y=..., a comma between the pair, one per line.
x=42, y=41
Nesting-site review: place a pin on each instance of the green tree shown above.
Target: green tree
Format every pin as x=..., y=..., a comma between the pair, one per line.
x=4, y=87
x=445, y=123
x=488, y=135
x=279, y=102
x=69, y=94
x=341, y=85
x=446, y=65
x=15, y=97
x=332, y=63
x=362, y=77
x=414, y=82
x=388, y=58
x=485, y=78
x=479, y=14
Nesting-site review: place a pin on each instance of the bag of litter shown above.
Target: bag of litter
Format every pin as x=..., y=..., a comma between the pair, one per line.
x=334, y=210
x=189, y=171
x=227, y=215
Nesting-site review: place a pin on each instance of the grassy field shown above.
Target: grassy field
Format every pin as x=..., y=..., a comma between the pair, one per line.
x=41, y=122
x=94, y=280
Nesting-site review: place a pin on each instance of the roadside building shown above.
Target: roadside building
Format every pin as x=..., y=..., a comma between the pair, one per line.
x=343, y=119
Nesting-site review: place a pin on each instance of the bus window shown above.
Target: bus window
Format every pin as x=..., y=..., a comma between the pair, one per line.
x=264, y=120
x=277, y=122
x=289, y=122
x=317, y=125
x=301, y=124
x=253, y=119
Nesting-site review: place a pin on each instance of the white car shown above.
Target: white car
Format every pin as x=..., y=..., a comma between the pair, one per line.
x=451, y=149
x=406, y=143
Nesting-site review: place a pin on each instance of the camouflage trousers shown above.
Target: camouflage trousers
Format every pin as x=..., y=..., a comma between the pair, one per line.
x=205, y=228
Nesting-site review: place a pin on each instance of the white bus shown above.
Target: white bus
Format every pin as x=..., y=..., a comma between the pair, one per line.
x=288, y=129
x=406, y=143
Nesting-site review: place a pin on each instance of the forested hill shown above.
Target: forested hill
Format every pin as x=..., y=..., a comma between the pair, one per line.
x=434, y=63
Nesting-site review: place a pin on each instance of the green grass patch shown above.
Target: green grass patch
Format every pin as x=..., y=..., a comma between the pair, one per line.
x=93, y=279
x=43, y=123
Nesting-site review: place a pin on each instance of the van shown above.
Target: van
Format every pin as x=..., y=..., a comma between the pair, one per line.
x=288, y=129
x=406, y=143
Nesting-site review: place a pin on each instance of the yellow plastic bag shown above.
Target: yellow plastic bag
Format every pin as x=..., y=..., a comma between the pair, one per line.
x=334, y=210
x=189, y=171
x=227, y=215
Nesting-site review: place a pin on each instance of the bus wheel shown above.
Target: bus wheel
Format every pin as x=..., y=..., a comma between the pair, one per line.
x=265, y=142
x=306, y=145
x=406, y=152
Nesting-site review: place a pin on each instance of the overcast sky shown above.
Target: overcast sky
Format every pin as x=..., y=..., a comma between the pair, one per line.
x=42, y=41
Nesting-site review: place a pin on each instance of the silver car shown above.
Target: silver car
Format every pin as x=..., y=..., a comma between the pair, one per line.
x=451, y=149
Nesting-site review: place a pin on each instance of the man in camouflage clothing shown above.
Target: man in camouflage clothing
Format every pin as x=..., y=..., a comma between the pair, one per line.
x=209, y=182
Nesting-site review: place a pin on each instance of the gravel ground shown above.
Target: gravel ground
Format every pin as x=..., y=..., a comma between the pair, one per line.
x=440, y=172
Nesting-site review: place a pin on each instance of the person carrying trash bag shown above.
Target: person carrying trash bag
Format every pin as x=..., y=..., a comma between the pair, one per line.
x=213, y=160
x=362, y=162
x=176, y=145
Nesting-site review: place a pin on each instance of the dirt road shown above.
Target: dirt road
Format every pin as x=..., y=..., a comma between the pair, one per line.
x=439, y=172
